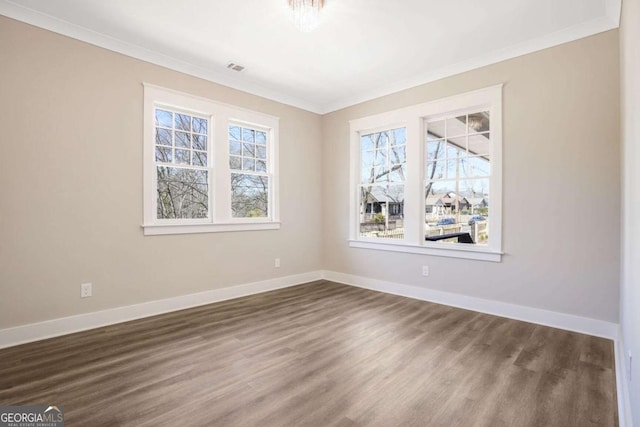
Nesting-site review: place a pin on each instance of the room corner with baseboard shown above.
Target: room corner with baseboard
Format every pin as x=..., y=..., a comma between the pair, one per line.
x=295, y=214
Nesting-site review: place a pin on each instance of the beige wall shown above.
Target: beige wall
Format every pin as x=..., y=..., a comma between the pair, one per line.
x=630, y=129
x=561, y=153
x=71, y=174
x=71, y=179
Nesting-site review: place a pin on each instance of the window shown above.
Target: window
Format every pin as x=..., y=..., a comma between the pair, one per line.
x=207, y=166
x=382, y=175
x=427, y=178
x=457, y=180
x=181, y=165
x=248, y=160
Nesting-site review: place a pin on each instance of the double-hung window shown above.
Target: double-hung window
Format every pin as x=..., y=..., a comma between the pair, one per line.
x=382, y=176
x=207, y=166
x=427, y=178
x=250, y=171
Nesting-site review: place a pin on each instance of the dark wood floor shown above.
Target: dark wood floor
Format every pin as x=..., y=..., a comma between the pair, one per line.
x=319, y=354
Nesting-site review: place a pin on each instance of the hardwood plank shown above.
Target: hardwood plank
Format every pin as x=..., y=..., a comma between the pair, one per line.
x=319, y=354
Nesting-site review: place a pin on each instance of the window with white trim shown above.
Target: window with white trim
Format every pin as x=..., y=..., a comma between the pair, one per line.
x=457, y=179
x=207, y=166
x=250, y=174
x=382, y=174
x=427, y=178
x=182, y=169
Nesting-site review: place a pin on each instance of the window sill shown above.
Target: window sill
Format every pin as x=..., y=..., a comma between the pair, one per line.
x=474, y=252
x=158, y=229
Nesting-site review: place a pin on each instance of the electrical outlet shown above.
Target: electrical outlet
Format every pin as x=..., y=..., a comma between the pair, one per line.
x=425, y=270
x=277, y=263
x=85, y=290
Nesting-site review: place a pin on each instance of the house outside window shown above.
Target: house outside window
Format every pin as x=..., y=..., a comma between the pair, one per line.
x=208, y=167
x=427, y=178
x=382, y=167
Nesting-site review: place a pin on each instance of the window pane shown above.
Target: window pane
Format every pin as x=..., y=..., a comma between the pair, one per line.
x=452, y=168
x=381, y=174
x=456, y=126
x=248, y=135
x=398, y=136
x=261, y=138
x=234, y=132
x=476, y=193
x=457, y=210
x=383, y=156
x=366, y=142
x=398, y=154
x=249, y=195
x=456, y=147
x=248, y=150
x=183, y=122
x=472, y=167
x=163, y=154
x=436, y=170
x=199, y=158
x=235, y=147
x=378, y=140
x=366, y=162
x=261, y=166
x=368, y=173
x=479, y=144
x=381, y=140
x=261, y=152
x=442, y=208
x=163, y=137
x=183, y=157
x=199, y=142
x=183, y=140
x=479, y=122
x=182, y=193
x=380, y=158
x=435, y=149
x=436, y=129
x=382, y=211
x=398, y=173
x=200, y=125
x=248, y=164
x=235, y=162
x=164, y=118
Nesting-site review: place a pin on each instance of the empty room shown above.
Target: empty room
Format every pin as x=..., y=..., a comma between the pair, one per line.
x=320, y=213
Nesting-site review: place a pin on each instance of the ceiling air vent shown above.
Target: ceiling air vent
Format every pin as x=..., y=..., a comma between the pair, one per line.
x=235, y=67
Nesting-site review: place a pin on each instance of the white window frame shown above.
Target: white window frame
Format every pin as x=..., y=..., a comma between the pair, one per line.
x=413, y=117
x=269, y=173
x=220, y=117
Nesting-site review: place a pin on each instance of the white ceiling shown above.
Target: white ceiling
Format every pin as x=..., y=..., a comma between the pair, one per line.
x=363, y=48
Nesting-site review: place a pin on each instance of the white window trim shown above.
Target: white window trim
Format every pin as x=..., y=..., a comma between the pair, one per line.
x=413, y=118
x=220, y=116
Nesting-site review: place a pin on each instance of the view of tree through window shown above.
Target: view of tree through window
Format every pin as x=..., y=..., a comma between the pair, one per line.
x=457, y=173
x=181, y=165
x=248, y=161
x=383, y=160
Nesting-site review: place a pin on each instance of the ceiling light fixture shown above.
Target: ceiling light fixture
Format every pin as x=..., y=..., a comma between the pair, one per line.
x=306, y=14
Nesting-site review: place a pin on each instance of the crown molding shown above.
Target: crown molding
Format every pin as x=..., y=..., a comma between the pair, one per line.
x=65, y=28
x=609, y=21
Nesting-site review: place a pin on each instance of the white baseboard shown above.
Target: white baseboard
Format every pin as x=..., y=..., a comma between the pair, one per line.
x=568, y=322
x=67, y=325
x=599, y=328
x=52, y=328
x=622, y=383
